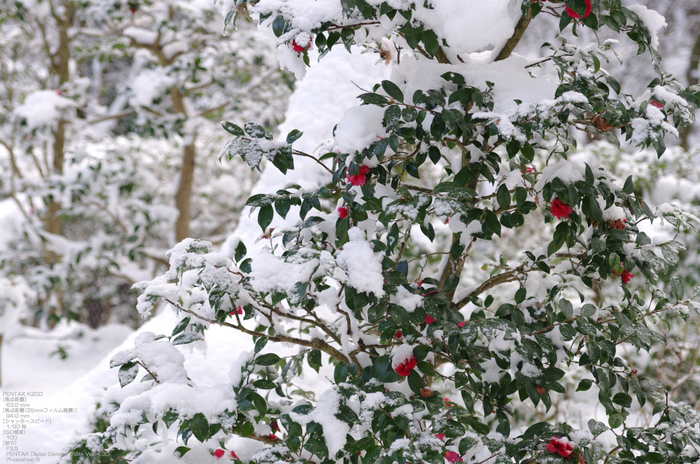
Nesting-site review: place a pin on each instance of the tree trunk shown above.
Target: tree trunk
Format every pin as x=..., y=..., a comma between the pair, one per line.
x=183, y=197
x=693, y=79
x=61, y=67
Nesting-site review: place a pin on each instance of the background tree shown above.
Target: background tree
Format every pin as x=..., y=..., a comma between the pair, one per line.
x=93, y=141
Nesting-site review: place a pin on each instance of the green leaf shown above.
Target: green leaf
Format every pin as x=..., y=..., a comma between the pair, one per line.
x=314, y=359
x=180, y=451
x=596, y=427
x=293, y=136
x=241, y=251
x=430, y=39
x=267, y=359
x=246, y=429
x=615, y=420
x=127, y=373
x=232, y=129
x=537, y=430
x=265, y=216
x=200, y=427
x=392, y=90
x=677, y=289
x=503, y=197
x=264, y=384
x=340, y=374
x=260, y=344
x=181, y=326
x=187, y=337
x=415, y=381
x=278, y=25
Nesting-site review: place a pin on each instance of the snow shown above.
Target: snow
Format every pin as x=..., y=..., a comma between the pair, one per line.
x=42, y=108
x=497, y=19
x=640, y=130
x=360, y=127
x=334, y=430
x=141, y=36
x=401, y=354
x=149, y=85
x=362, y=265
x=652, y=20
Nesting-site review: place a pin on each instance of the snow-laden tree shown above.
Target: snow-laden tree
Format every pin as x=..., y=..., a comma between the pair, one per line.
x=452, y=279
x=105, y=105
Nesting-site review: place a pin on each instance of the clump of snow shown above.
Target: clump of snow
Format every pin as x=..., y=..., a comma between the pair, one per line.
x=42, y=108
x=361, y=264
x=149, y=85
x=614, y=213
x=566, y=171
x=334, y=430
x=652, y=20
x=360, y=127
x=401, y=354
x=161, y=357
x=409, y=301
x=495, y=24
x=235, y=373
x=640, y=130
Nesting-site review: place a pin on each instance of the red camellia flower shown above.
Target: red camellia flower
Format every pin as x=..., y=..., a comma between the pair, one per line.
x=573, y=14
x=562, y=446
x=300, y=48
x=404, y=369
x=657, y=104
x=453, y=456
x=560, y=209
x=399, y=334
x=219, y=453
x=343, y=212
x=234, y=456
x=360, y=178
x=429, y=319
x=626, y=276
x=441, y=436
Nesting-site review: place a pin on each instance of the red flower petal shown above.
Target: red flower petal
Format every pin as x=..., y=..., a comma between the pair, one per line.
x=626, y=276
x=452, y=456
x=234, y=456
x=560, y=209
x=461, y=324
x=219, y=453
x=573, y=14
x=299, y=48
x=404, y=369
x=441, y=436
x=361, y=178
x=343, y=212
x=399, y=334
x=429, y=319
x=560, y=445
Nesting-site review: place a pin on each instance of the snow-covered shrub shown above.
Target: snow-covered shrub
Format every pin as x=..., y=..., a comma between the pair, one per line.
x=456, y=283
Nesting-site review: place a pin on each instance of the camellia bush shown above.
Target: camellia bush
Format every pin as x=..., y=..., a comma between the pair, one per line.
x=456, y=272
